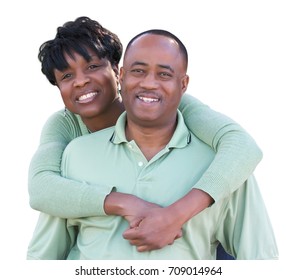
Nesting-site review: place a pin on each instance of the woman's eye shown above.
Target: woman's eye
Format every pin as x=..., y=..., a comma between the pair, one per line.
x=93, y=66
x=66, y=76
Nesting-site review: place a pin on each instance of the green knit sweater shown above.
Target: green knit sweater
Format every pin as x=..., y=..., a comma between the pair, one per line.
x=237, y=155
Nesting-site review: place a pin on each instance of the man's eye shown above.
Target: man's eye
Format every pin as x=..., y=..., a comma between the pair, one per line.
x=165, y=75
x=137, y=71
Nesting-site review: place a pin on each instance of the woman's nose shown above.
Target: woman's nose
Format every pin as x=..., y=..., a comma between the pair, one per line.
x=81, y=79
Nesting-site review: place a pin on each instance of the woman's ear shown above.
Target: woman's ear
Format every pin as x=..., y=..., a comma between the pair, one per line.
x=115, y=69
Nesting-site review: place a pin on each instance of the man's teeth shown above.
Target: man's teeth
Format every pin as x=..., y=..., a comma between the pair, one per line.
x=148, y=99
x=86, y=96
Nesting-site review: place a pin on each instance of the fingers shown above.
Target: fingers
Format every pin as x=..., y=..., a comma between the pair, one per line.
x=131, y=233
x=146, y=239
x=136, y=238
x=143, y=243
x=179, y=235
x=143, y=248
x=135, y=222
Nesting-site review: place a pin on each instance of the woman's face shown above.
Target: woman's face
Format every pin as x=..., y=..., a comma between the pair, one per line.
x=87, y=88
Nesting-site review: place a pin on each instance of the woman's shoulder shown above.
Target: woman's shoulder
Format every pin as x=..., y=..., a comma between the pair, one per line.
x=67, y=124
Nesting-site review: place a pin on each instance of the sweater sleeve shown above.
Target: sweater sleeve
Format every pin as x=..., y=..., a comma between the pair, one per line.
x=51, y=193
x=237, y=154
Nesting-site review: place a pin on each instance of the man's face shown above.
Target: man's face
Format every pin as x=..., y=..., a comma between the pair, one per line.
x=153, y=79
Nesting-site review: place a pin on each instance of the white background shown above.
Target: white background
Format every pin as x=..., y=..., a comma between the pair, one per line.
x=241, y=62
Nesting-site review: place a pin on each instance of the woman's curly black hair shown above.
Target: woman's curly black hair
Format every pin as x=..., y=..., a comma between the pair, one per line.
x=78, y=36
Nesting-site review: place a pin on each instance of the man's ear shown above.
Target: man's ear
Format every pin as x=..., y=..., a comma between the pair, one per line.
x=121, y=75
x=185, y=82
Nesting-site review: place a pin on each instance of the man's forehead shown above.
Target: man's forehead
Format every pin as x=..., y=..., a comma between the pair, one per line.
x=151, y=40
x=148, y=43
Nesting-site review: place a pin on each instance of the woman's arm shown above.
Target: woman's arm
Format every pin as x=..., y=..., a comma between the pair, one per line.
x=237, y=154
x=236, y=158
x=49, y=191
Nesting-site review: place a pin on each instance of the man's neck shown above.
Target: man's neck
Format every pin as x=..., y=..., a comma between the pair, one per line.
x=150, y=140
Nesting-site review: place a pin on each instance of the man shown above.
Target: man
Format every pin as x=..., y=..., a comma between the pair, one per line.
x=145, y=154
x=81, y=61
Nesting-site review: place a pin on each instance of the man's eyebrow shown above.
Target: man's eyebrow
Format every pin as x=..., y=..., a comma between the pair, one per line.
x=136, y=63
x=166, y=67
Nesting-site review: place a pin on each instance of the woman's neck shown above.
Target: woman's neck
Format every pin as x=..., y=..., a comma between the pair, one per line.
x=106, y=119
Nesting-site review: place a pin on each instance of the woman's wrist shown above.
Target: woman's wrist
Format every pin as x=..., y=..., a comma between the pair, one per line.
x=116, y=203
x=190, y=205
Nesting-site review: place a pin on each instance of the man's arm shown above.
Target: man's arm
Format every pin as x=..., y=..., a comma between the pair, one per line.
x=254, y=238
x=51, y=239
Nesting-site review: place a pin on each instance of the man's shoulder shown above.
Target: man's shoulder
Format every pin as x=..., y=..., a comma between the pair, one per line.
x=92, y=139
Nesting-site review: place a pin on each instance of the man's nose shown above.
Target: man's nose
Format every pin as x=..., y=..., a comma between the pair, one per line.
x=149, y=81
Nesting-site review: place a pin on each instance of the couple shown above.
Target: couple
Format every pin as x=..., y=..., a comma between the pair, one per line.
x=145, y=176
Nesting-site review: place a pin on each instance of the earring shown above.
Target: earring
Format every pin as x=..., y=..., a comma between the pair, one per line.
x=118, y=91
x=65, y=111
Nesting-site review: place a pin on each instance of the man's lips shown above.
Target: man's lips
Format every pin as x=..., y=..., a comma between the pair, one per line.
x=148, y=99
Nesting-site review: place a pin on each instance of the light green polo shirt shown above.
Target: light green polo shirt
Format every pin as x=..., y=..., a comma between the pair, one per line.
x=107, y=157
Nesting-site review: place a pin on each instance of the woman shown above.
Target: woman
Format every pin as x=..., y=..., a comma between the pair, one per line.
x=83, y=61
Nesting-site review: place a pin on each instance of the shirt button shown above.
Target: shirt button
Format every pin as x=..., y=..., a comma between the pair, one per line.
x=130, y=146
x=140, y=163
